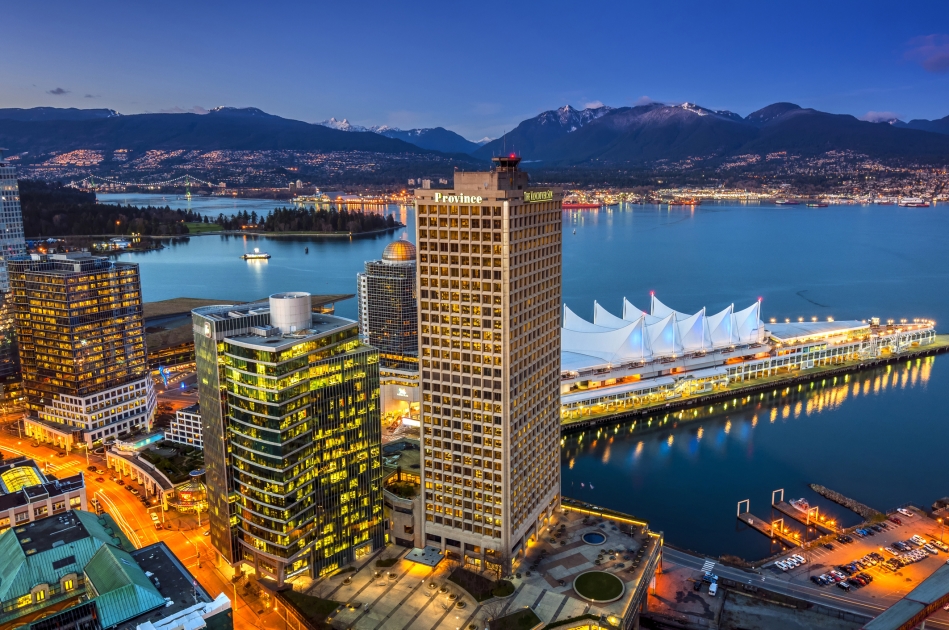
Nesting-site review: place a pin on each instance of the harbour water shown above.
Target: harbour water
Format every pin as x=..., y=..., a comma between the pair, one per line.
x=883, y=446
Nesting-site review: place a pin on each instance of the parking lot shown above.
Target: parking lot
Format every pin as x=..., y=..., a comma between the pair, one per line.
x=887, y=584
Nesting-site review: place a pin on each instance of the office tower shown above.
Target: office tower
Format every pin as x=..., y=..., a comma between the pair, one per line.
x=292, y=436
x=489, y=318
x=11, y=220
x=82, y=347
x=388, y=307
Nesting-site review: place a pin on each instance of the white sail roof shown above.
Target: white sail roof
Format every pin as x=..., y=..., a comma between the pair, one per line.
x=662, y=337
x=721, y=328
x=692, y=333
x=602, y=317
x=572, y=321
x=632, y=313
x=665, y=332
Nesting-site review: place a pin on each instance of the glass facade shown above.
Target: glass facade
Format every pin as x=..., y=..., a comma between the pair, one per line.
x=12, y=242
x=302, y=441
x=389, y=308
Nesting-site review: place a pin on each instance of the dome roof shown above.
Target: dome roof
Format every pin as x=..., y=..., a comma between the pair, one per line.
x=399, y=251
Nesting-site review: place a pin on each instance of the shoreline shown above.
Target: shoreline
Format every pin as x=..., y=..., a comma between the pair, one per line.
x=941, y=345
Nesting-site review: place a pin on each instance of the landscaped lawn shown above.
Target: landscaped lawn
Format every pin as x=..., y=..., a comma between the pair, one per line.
x=175, y=460
x=197, y=228
x=599, y=586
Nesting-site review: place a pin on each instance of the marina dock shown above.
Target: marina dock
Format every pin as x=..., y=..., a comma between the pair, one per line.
x=763, y=526
x=825, y=526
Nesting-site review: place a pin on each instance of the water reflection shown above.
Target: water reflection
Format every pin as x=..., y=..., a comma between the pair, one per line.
x=840, y=431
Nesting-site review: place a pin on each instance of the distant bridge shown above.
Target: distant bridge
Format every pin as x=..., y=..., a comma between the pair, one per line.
x=187, y=180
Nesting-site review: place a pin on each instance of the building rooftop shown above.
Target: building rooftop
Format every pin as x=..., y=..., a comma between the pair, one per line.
x=399, y=251
x=910, y=610
x=797, y=331
x=21, y=482
x=405, y=454
x=320, y=325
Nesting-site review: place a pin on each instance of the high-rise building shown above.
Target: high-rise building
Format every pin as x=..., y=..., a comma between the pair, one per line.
x=292, y=436
x=388, y=305
x=489, y=318
x=12, y=242
x=82, y=347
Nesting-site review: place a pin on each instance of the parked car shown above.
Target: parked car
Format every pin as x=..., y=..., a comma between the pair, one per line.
x=905, y=512
x=828, y=546
x=844, y=585
x=896, y=520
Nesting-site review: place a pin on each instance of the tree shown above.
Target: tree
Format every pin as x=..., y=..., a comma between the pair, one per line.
x=493, y=609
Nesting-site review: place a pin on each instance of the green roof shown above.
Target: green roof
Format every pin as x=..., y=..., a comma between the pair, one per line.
x=45, y=551
x=121, y=587
x=104, y=528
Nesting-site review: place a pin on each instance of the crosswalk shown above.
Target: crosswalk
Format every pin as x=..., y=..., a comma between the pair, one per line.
x=707, y=567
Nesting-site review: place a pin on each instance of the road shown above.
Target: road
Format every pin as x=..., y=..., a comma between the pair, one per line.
x=182, y=535
x=855, y=601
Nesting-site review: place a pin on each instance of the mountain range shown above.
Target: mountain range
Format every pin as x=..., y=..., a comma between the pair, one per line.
x=597, y=137
x=224, y=128
x=649, y=133
x=436, y=138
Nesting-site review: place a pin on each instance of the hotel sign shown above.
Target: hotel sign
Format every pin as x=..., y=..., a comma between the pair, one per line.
x=456, y=198
x=533, y=196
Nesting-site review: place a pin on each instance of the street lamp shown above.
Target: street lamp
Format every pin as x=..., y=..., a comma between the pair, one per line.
x=942, y=528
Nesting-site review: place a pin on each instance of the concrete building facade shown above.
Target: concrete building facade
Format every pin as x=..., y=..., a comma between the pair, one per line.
x=82, y=347
x=489, y=261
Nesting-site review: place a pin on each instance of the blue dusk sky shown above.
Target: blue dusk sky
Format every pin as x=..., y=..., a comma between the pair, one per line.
x=478, y=68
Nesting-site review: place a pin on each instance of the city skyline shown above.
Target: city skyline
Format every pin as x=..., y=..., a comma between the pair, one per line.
x=848, y=60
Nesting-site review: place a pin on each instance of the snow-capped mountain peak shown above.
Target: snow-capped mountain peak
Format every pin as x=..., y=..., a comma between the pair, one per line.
x=341, y=125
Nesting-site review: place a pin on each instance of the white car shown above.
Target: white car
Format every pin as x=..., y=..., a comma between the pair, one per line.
x=781, y=565
x=905, y=512
x=891, y=551
x=938, y=544
x=799, y=558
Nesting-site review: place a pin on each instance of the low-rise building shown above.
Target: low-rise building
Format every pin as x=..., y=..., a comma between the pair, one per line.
x=26, y=494
x=77, y=570
x=186, y=427
x=401, y=461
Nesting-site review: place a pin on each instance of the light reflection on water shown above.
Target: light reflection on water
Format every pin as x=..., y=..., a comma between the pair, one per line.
x=844, y=432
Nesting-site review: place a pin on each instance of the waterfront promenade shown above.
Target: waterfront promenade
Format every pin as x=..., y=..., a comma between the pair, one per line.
x=739, y=389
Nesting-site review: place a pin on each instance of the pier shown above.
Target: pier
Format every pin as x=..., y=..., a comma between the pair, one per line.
x=808, y=517
x=801, y=517
x=746, y=388
x=773, y=529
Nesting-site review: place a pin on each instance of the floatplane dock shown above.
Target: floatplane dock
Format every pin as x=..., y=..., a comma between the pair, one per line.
x=803, y=513
x=773, y=529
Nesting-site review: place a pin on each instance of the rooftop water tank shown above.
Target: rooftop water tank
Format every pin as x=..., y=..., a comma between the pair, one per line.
x=290, y=312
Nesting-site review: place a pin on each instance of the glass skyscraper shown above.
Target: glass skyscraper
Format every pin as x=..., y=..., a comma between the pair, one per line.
x=388, y=306
x=291, y=399
x=12, y=242
x=82, y=346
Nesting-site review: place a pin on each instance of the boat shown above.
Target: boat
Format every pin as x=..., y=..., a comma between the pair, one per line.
x=685, y=202
x=256, y=255
x=800, y=504
x=913, y=202
x=787, y=202
x=573, y=205
x=816, y=204
x=306, y=250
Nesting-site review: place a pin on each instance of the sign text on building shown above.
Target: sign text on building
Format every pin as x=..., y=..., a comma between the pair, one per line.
x=532, y=196
x=456, y=198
